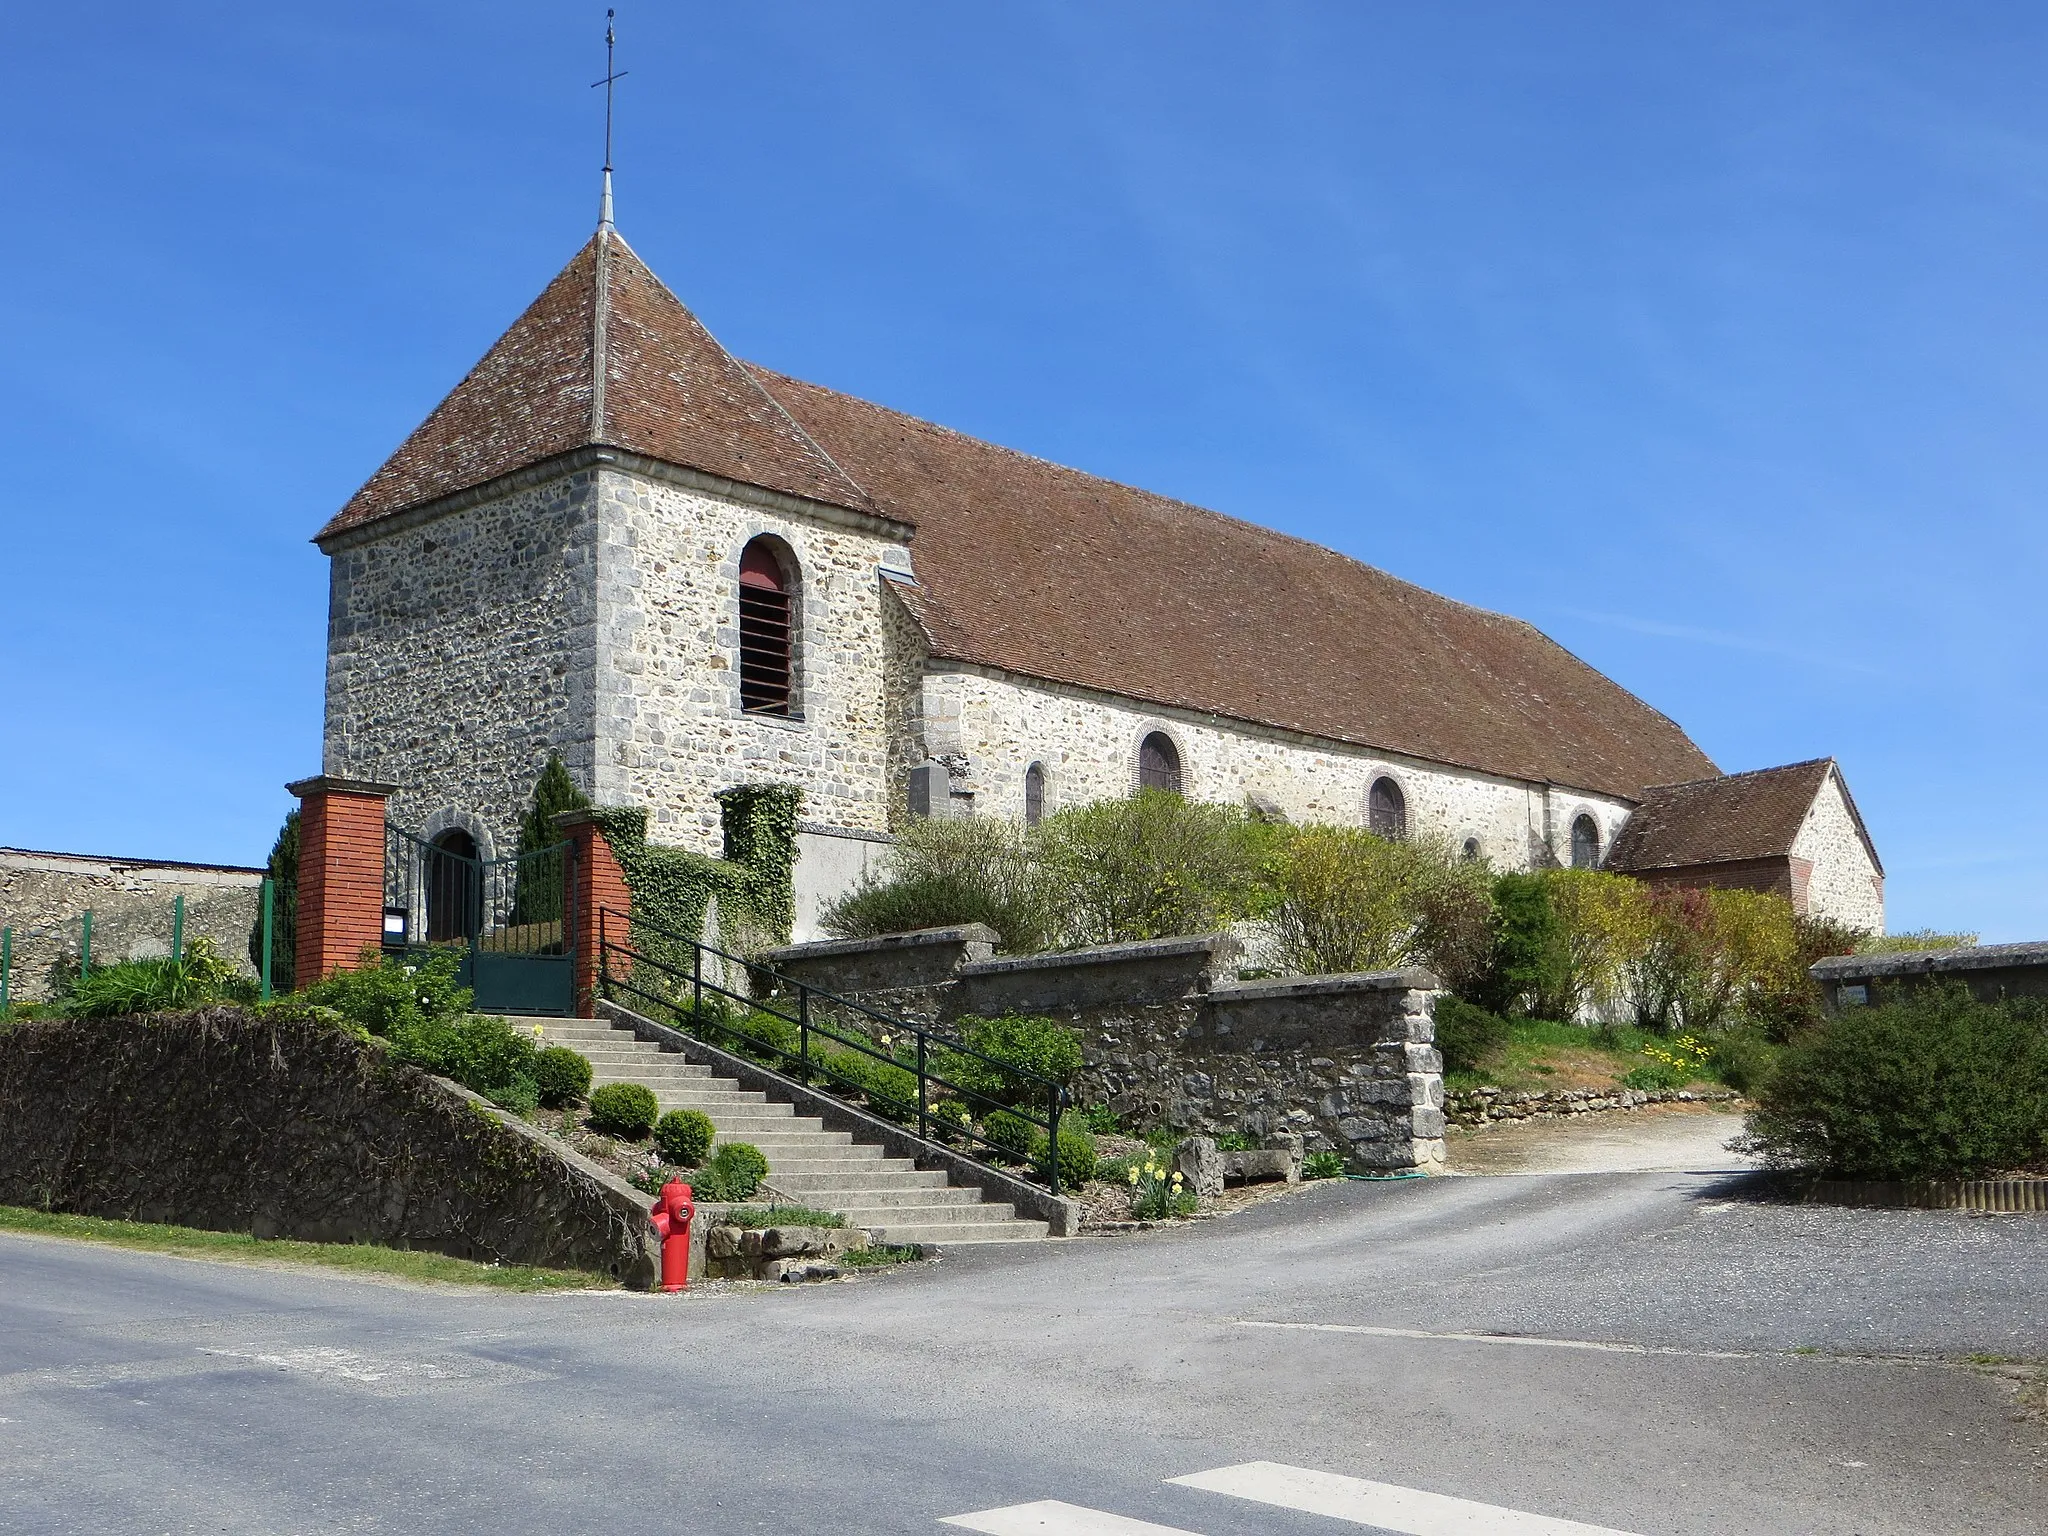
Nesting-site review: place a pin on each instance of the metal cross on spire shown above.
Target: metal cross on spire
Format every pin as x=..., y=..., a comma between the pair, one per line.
x=611, y=75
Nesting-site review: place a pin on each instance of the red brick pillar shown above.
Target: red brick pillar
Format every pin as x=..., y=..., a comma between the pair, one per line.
x=598, y=904
x=341, y=873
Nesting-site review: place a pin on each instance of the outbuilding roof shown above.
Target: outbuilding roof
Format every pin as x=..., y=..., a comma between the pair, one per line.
x=1727, y=819
x=1035, y=569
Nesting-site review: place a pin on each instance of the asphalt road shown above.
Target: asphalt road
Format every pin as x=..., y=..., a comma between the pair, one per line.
x=1778, y=1373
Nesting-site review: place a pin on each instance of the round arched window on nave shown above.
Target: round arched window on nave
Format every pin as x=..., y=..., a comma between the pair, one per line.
x=1585, y=843
x=1159, y=763
x=1387, y=810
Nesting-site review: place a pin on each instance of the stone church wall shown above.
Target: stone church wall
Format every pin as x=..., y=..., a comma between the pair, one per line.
x=1843, y=883
x=1088, y=743
x=669, y=725
x=461, y=653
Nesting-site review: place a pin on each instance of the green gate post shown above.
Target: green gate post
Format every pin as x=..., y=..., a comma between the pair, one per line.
x=6, y=965
x=85, y=943
x=177, y=929
x=267, y=897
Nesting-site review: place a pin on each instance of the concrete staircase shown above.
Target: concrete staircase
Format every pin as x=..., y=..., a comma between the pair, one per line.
x=807, y=1164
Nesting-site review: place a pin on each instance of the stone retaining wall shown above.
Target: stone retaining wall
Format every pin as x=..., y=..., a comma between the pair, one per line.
x=295, y=1128
x=1487, y=1106
x=1992, y=972
x=1346, y=1062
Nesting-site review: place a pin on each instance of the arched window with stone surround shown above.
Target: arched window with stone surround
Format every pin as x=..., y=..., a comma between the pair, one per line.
x=1386, y=810
x=1159, y=763
x=1034, y=794
x=767, y=628
x=1585, y=843
x=453, y=878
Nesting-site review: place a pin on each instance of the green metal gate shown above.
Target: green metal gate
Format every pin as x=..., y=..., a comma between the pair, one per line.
x=509, y=918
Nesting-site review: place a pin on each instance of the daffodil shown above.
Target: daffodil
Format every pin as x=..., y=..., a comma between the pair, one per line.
x=1134, y=1175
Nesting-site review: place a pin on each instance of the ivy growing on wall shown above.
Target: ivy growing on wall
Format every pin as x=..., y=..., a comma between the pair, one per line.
x=755, y=882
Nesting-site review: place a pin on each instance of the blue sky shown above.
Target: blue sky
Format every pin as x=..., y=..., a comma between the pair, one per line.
x=1708, y=339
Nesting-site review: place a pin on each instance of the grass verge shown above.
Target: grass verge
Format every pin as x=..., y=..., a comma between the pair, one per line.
x=354, y=1258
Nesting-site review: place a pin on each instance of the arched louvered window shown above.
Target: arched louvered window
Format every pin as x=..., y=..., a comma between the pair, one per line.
x=1387, y=810
x=1585, y=843
x=1034, y=794
x=766, y=635
x=1159, y=763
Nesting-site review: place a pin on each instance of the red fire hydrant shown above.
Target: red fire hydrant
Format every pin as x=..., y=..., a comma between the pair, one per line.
x=672, y=1215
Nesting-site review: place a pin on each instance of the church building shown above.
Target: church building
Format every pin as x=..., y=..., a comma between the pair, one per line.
x=617, y=542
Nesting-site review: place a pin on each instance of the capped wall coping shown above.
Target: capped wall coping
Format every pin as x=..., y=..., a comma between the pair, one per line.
x=1412, y=978
x=584, y=817
x=1216, y=945
x=174, y=870
x=882, y=944
x=1921, y=962
x=333, y=784
x=855, y=834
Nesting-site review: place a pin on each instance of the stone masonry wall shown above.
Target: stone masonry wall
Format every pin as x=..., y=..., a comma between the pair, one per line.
x=1843, y=883
x=1347, y=1062
x=1088, y=742
x=289, y=1128
x=670, y=729
x=44, y=895
x=461, y=652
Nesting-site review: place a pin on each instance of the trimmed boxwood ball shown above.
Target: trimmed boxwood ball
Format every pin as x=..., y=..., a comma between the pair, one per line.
x=1077, y=1151
x=1012, y=1133
x=623, y=1109
x=738, y=1168
x=561, y=1075
x=684, y=1136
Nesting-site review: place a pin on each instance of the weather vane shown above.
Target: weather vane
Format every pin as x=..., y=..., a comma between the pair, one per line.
x=611, y=75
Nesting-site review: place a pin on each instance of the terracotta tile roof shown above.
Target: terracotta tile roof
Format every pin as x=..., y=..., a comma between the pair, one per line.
x=671, y=392
x=1041, y=570
x=1056, y=574
x=1737, y=816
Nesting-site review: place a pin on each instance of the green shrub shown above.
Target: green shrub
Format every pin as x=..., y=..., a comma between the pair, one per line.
x=199, y=979
x=1154, y=865
x=1103, y=1120
x=1323, y=1165
x=1346, y=900
x=949, y=870
x=1011, y=1133
x=483, y=1053
x=892, y=1091
x=385, y=992
x=1077, y=1151
x=1743, y=1059
x=949, y=1120
x=1043, y=1047
x=735, y=1171
x=1113, y=1170
x=1236, y=1141
x=684, y=1136
x=1466, y=1034
x=1530, y=970
x=1933, y=1085
x=626, y=1110
x=876, y=1255
x=561, y=1075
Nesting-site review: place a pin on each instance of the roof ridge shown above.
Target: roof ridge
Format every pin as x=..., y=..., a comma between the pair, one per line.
x=1747, y=773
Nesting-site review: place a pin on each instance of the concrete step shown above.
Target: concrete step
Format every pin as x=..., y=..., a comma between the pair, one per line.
x=810, y=1142
x=945, y=1203
x=746, y=1127
x=854, y=1158
x=856, y=1176
x=976, y=1213
x=957, y=1233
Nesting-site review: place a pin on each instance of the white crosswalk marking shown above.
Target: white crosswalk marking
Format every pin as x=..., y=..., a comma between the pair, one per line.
x=1407, y=1510
x=1049, y=1517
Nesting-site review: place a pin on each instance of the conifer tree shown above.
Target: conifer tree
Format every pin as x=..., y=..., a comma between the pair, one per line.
x=538, y=898
x=284, y=907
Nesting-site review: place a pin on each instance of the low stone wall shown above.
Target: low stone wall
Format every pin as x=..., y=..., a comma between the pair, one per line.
x=778, y=1253
x=1488, y=1106
x=237, y=1123
x=1992, y=972
x=43, y=896
x=1346, y=1062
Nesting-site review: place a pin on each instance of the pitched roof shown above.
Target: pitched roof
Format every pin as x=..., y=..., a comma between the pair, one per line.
x=1040, y=570
x=670, y=392
x=1737, y=816
x=1045, y=571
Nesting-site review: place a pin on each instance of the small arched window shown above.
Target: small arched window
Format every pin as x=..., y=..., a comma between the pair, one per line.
x=1585, y=843
x=1159, y=763
x=765, y=633
x=1034, y=794
x=1471, y=850
x=1387, y=810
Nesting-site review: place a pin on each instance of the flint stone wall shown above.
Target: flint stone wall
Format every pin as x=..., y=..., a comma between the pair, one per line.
x=234, y=1123
x=44, y=895
x=1346, y=1062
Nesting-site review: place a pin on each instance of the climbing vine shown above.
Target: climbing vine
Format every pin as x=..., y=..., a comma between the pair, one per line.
x=672, y=888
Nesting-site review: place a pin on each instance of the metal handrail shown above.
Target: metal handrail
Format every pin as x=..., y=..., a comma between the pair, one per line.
x=1054, y=1094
